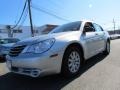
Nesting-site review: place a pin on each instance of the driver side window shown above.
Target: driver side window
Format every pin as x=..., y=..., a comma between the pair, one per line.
x=89, y=27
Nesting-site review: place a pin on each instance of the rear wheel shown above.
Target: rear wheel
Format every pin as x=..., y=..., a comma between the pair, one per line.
x=107, y=49
x=71, y=62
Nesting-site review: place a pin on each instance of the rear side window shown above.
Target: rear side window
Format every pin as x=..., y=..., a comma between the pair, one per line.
x=97, y=27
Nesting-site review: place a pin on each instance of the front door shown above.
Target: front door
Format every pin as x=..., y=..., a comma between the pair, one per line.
x=91, y=39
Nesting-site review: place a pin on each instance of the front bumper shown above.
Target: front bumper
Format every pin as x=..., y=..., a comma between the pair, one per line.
x=34, y=65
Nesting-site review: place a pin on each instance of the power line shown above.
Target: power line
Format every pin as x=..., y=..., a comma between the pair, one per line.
x=17, y=14
x=49, y=10
x=57, y=4
x=20, y=16
x=24, y=18
x=51, y=14
x=35, y=5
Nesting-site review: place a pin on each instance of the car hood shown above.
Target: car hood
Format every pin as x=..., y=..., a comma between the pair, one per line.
x=36, y=39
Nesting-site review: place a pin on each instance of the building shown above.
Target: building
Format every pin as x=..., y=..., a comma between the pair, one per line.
x=24, y=31
x=114, y=32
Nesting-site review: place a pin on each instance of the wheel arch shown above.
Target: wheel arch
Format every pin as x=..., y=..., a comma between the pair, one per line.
x=108, y=40
x=75, y=44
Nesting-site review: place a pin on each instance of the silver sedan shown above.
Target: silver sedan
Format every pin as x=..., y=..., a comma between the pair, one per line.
x=61, y=51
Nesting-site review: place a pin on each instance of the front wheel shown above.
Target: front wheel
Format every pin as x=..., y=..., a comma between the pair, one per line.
x=107, y=49
x=71, y=62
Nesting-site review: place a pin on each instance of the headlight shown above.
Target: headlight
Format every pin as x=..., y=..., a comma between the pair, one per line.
x=40, y=47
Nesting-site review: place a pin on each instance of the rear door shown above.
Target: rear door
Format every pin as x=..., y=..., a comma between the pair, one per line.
x=100, y=34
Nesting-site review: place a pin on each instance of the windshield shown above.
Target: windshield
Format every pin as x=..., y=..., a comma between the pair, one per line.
x=6, y=41
x=74, y=26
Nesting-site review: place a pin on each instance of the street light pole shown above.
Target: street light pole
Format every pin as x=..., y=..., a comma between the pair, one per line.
x=114, y=25
x=30, y=17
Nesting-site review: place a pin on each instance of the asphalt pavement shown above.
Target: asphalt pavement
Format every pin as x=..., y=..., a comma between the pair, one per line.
x=99, y=73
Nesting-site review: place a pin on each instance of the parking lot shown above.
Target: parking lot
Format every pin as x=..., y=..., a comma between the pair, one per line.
x=99, y=73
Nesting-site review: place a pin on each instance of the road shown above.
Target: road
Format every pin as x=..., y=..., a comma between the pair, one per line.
x=99, y=73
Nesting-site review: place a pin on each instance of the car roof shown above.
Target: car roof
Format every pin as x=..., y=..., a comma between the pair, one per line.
x=87, y=21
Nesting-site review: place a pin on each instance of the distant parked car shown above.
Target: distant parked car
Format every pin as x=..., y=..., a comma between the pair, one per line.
x=61, y=51
x=114, y=36
x=5, y=46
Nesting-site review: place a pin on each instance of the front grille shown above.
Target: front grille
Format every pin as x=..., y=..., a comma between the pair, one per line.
x=15, y=51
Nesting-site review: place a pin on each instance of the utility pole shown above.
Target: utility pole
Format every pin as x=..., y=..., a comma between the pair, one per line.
x=9, y=31
x=30, y=17
x=114, y=25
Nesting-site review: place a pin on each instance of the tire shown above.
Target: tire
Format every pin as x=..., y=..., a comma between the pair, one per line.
x=71, y=62
x=107, y=49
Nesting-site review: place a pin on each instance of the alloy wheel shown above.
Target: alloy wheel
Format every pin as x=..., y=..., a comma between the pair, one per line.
x=74, y=62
